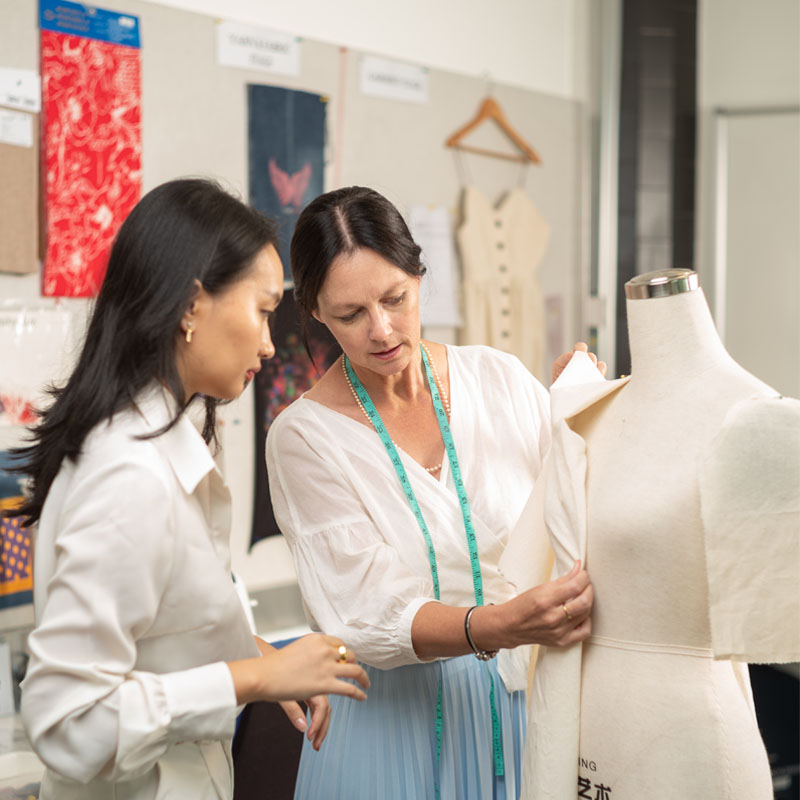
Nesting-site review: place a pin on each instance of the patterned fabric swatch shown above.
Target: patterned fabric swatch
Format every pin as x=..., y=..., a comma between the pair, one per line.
x=91, y=109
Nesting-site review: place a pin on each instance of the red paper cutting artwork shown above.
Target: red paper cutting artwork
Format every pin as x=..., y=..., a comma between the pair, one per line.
x=91, y=105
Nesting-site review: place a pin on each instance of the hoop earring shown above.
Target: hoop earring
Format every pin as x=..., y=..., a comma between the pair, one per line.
x=189, y=332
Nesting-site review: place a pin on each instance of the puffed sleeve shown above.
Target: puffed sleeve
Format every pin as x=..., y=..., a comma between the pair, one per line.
x=354, y=584
x=87, y=711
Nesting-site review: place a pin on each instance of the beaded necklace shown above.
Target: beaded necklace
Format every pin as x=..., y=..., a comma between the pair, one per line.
x=439, y=386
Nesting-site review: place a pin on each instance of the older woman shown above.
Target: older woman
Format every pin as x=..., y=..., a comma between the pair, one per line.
x=396, y=481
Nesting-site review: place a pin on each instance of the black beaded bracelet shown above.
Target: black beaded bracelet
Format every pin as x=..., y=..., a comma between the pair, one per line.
x=481, y=655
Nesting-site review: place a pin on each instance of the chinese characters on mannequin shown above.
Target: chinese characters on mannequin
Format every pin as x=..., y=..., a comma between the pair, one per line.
x=636, y=486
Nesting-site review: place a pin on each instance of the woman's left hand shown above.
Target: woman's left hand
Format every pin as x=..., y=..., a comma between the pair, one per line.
x=318, y=704
x=564, y=358
x=320, y=717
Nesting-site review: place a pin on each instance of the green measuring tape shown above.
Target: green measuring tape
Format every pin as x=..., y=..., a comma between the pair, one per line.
x=477, y=579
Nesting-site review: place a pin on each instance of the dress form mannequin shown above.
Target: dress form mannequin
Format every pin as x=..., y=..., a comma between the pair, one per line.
x=644, y=708
x=645, y=533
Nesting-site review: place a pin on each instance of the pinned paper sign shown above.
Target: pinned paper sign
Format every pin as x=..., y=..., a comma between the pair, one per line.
x=438, y=296
x=16, y=128
x=382, y=78
x=20, y=88
x=240, y=45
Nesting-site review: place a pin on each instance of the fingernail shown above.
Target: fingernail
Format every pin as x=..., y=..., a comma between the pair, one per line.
x=300, y=722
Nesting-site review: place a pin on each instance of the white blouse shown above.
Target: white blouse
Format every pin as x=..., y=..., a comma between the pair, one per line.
x=360, y=556
x=127, y=693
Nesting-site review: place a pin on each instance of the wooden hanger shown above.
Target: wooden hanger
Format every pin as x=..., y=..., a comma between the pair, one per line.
x=490, y=109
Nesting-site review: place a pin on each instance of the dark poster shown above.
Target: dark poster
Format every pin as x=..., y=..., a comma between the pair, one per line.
x=286, y=131
x=286, y=143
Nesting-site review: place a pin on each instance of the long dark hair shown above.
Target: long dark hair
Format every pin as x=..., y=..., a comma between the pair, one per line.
x=339, y=223
x=183, y=231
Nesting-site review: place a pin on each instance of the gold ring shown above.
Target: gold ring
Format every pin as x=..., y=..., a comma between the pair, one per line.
x=342, y=654
x=564, y=609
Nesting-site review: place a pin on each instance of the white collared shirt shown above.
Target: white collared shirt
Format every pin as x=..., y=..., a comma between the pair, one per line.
x=127, y=693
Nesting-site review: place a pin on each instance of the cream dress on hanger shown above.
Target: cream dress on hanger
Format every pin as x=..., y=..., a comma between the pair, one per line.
x=501, y=248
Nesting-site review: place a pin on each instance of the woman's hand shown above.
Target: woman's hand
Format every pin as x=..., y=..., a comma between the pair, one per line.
x=320, y=717
x=554, y=614
x=306, y=668
x=318, y=705
x=564, y=358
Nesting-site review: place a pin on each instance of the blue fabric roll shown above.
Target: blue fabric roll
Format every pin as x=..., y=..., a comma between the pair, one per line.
x=385, y=747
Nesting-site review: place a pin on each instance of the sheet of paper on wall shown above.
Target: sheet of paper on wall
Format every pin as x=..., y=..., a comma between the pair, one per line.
x=438, y=297
x=16, y=127
x=92, y=142
x=394, y=80
x=6, y=681
x=36, y=344
x=19, y=192
x=20, y=89
x=250, y=47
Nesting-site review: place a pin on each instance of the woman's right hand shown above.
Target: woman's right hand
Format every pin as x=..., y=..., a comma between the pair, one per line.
x=308, y=666
x=554, y=614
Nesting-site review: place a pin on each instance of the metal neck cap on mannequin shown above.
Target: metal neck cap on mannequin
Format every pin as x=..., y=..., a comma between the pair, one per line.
x=662, y=283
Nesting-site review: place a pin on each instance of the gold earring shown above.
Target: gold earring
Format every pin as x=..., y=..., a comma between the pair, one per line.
x=189, y=332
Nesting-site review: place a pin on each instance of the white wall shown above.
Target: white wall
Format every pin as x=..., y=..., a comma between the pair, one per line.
x=540, y=45
x=535, y=46
x=748, y=58
x=525, y=43
x=748, y=55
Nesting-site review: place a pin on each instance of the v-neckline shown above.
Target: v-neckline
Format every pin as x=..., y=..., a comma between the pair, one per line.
x=445, y=470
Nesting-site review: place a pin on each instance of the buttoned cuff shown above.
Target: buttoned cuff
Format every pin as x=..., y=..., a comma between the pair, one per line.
x=201, y=703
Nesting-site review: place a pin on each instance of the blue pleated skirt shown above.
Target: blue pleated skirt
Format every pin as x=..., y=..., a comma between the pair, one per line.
x=385, y=747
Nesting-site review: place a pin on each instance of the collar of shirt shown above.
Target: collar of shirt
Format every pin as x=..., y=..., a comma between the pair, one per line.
x=182, y=445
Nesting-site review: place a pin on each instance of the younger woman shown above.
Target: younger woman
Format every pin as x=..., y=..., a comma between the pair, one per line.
x=142, y=653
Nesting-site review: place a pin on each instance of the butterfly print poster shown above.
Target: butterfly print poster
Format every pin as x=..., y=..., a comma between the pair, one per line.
x=286, y=143
x=92, y=143
x=286, y=151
